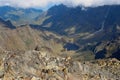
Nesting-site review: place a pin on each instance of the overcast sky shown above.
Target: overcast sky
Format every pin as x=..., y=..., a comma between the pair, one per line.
x=45, y=3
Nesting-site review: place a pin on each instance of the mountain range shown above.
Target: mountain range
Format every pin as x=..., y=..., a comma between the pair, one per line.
x=61, y=43
x=87, y=27
x=83, y=29
x=19, y=16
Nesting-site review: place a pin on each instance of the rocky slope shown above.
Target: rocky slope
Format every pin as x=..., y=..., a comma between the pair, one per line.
x=26, y=38
x=43, y=65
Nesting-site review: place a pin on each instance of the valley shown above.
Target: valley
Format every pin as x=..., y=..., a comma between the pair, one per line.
x=61, y=43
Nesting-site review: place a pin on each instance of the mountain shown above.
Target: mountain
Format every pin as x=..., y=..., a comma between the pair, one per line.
x=62, y=43
x=6, y=24
x=81, y=30
x=65, y=20
x=85, y=26
x=19, y=16
x=25, y=38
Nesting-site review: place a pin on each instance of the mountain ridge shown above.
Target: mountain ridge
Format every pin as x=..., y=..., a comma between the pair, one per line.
x=87, y=27
x=19, y=16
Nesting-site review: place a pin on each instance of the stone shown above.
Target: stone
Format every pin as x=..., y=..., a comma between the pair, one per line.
x=34, y=78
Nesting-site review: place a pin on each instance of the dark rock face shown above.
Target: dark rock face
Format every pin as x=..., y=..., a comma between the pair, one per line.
x=116, y=54
x=100, y=54
x=7, y=24
x=108, y=49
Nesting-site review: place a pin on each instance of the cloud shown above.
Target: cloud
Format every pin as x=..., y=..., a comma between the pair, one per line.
x=45, y=3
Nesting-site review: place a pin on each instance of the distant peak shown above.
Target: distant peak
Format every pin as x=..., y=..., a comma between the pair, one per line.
x=59, y=6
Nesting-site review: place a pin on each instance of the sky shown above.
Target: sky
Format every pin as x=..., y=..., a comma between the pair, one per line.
x=48, y=3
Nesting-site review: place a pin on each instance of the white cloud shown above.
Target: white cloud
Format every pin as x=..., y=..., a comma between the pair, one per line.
x=45, y=3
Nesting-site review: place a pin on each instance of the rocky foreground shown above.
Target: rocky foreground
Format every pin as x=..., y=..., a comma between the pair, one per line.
x=42, y=65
